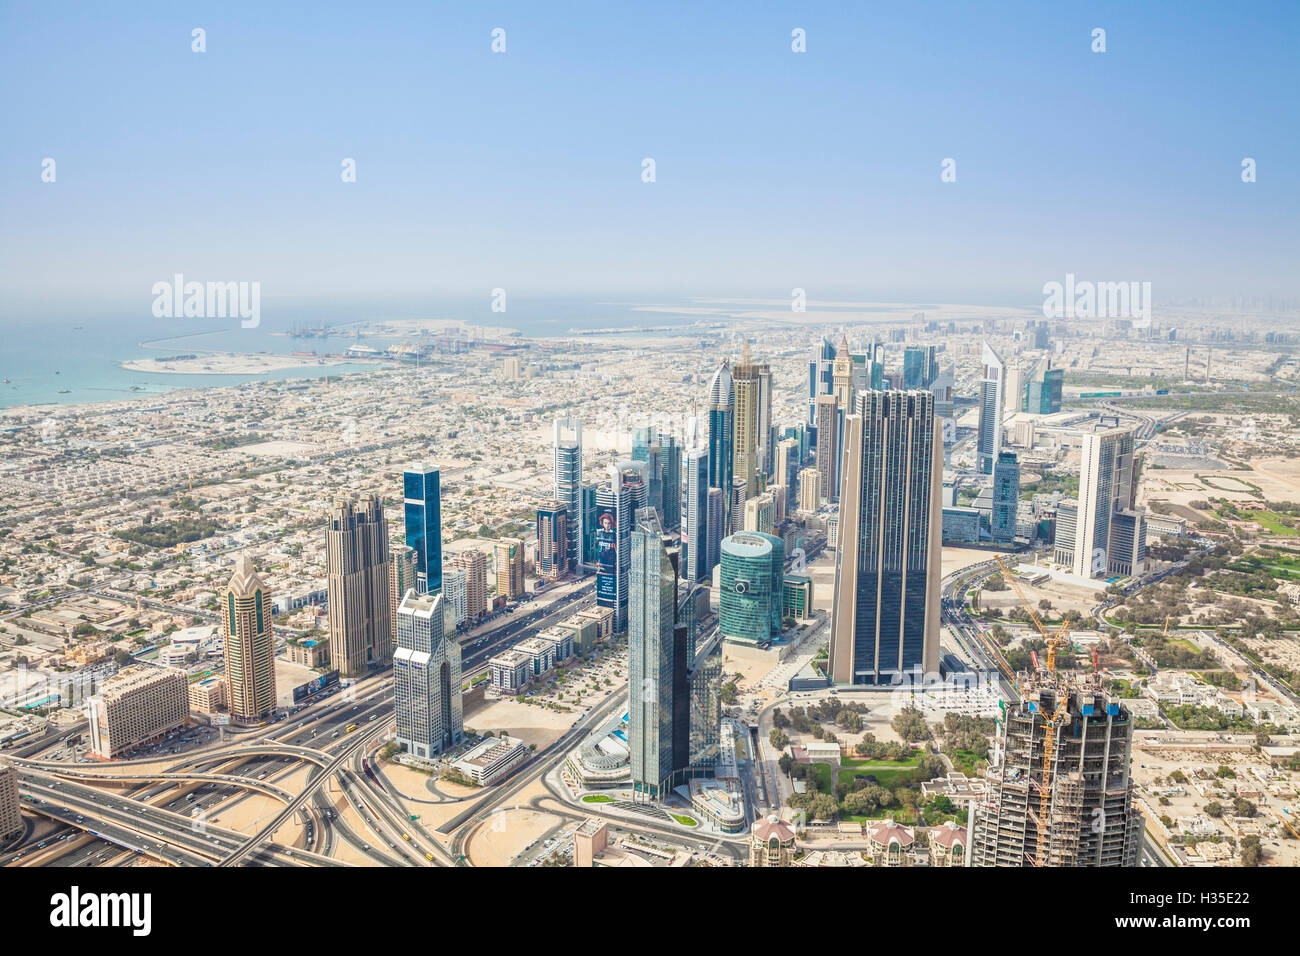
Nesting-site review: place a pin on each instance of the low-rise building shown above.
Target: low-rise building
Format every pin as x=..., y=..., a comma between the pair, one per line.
x=771, y=842
x=138, y=704
x=493, y=759
x=720, y=800
x=208, y=696
x=310, y=653
x=511, y=671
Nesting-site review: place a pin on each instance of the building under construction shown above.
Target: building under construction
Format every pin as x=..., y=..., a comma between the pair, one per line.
x=1060, y=793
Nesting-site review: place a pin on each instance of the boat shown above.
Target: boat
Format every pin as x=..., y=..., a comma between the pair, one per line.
x=65, y=391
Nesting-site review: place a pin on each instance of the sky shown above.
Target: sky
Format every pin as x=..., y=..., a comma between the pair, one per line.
x=522, y=170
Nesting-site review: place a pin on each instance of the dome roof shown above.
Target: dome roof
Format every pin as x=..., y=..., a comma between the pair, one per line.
x=887, y=831
x=773, y=827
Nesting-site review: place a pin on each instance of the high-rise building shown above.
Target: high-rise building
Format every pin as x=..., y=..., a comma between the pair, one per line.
x=510, y=568
x=1043, y=393
x=746, y=377
x=568, y=484
x=842, y=377
x=11, y=816
x=1006, y=497
x=1109, y=534
x=992, y=387
x=617, y=502
x=1091, y=818
x=828, y=457
x=426, y=678
x=750, y=590
x=695, y=530
x=820, y=375
x=401, y=578
x=474, y=563
x=552, y=540
x=885, y=611
x=721, y=416
x=356, y=567
x=138, y=704
x=788, y=464
x=739, y=497
x=663, y=460
x=810, y=490
x=760, y=514
x=650, y=633
x=716, y=529
x=250, y=644
x=920, y=366
x=422, y=512
x=455, y=590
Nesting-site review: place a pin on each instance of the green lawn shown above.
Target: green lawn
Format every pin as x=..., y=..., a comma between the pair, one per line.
x=597, y=798
x=1272, y=521
x=686, y=821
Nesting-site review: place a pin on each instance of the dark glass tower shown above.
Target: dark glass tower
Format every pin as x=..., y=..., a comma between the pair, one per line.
x=721, y=421
x=885, y=616
x=422, y=505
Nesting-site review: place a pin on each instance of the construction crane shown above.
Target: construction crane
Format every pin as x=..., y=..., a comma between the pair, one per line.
x=1045, y=790
x=1053, y=641
x=1049, y=720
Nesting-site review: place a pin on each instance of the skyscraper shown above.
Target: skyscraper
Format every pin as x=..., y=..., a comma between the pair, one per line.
x=885, y=612
x=357, y=570
x=616, y=505
x=250, y=644
x=455, y=592
x=1006, y=497
x=991, y=400
x=1043, y=392
x=650, y=631
x=401, y=578
x=552, y=540
x=474, y=563
x=788, y=464
x=426, y=678
x=422, y=507
x=920, y=366
x=820, y=375
x=1109, y=532
x=510, y=568
x=828, y=457
x=716, y=530
x=721, y=415
x=568, y=484
x=750, y=593
x=695, y=530
x=663, y=460
x=739, y=496
x=1091, y=818
x=842, y=377
x=747, y=377
x=810, y=492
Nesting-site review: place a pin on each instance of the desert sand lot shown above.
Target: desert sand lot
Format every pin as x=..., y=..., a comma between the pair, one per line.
x=509, y=830
x=531, y=723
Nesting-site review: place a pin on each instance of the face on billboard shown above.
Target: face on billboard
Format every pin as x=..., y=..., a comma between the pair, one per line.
x=605, y=519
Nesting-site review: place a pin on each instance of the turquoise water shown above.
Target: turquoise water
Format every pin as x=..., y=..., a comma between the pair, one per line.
x=69, y=360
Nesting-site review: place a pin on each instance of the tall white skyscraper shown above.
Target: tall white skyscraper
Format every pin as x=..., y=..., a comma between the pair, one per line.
x=426, y=678
x=568, y=482
x=992, y=390
x=1109, y=533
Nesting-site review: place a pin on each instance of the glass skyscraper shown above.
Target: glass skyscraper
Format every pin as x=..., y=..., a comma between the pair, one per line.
x=721, y=419
x=1006, y=497
x=651, y=646
x=885, y=610
x=750, y=587
x=695, y=531
x=422, y=505
x=616, y=505
x=992, y=386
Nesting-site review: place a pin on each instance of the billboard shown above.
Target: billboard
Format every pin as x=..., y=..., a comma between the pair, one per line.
x=315, y=686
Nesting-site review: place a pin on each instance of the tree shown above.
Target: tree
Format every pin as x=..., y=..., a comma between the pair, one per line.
x=1251, y=852
x=778, y=738
x=909, y=723
x=1214, y=809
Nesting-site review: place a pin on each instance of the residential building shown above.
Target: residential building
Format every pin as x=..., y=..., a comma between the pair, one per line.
x=552, y=540
x=992, y=398
x=250, y=644
x=474, y=563
x=357, y=568
x=828, y=452
x=138, y=704
x=1006, y=497
x=510, y=568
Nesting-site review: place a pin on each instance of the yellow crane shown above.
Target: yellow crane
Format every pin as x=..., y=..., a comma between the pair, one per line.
x=1049, y=720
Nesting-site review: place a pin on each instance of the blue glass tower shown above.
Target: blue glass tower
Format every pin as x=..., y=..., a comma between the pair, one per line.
x=423, y=514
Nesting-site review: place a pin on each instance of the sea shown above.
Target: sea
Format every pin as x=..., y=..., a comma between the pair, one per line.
x=69, y=360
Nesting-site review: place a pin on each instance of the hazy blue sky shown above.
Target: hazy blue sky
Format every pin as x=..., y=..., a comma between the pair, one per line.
x=523, y=170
